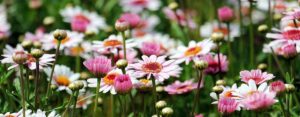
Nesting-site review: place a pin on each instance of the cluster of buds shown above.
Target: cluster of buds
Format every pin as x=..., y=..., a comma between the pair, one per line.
x=37, y=53
x=162, y=105
x=77, y=85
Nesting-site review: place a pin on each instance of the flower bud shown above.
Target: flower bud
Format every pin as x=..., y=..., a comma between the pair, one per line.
x=37, y=44
x=59, y=34
x=290, y=88
x=79, y=84
x=220, y=82
x=201, y=64
x=262, y=28
x=277, y=86
x=89, y=33
x=173, y=5
x=37, y=53
x=167, y=111
x=160, y=104
x=84, y=75
x=72, y=86
x=123, y=84
x=217, y=89
x=159, y=89
x=262, y=66
x=277, y=16
x=289, y=51
x=217, y=37
x=100, y=101
x=122, y=63
x=19, y=57
x=31, y=77
x=133, y=19
x=225, y=14
x=48, y=20
x=27, y=44
x=121, y=25
x=53, y=87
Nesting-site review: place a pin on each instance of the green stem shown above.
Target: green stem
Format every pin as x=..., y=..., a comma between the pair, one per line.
x=121, y=105
x=36, y=81
x=154, y=95
x=132, y=104
x=52, y=69
x=219, y=61
x=241, y=40
x=96, y=98
x=282, y=107
x=68, y=105
x=124, y=44
x=22, y=90
x=27, y=84
x=278, y=64
x=251, y=35
x=196, y=99
x=288, y=104
x=75, y=103
x=230, y=56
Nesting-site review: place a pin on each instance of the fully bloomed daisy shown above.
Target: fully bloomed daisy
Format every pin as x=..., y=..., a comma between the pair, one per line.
x=107, y=82
x=259, y=101
x=228, y=105
x=251, y=88
x=181, y=87
x=62, y=77
x=73, y=39
x=214, y=66
x=137, y=6
x=9, y=51
x=193, y=50
x=82, y=20
x=282, y=48
x=112, y=44
x=257, y=76
x=292, y=15
x=156, y=67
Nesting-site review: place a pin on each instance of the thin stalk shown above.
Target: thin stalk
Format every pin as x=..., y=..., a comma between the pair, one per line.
x=27, y=84
x=96, y=98
x=121, y=105
x=36, y=81
x=282, y=107
x=52, y=69
x=111, y=107
x=132, y=104
x=288, y=104
x=75, y=102
x=78, y=63
x=124, y=44
x=251, y=35
x=68, y=105
x=291, y=70
x=278, y=64
x=230, y=56
x=154, y=95
x=241, y=40
x=144, y=105
x=196, y=99
x=22, y=90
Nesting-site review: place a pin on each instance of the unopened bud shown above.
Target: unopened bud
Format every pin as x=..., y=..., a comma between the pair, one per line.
x=31, y=77
x=173, y=5
x=37, y=53
x=262, y=28
x=100, y=101
x=217, y=89
x=277, y=17
x=220, y=82
x=53, y=87
x=48, y=20
x=59, y=34
x=262, y=66
x=27, y=44
x=72, y=86
x=19, y=57
x=122, y=25
x=160, y=104
x=217, y=37
x=290, y=88
x=79, y=84
x=37, y=44
x=84, y=75
x=122, y=63
x=159, y=89
x=167, y=111
x=201, y=64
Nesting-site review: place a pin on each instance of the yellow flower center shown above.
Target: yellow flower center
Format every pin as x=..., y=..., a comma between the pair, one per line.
x=110, y=78
x=192, y=51
x=76, y=50
x=62, y=41
x=62, y=80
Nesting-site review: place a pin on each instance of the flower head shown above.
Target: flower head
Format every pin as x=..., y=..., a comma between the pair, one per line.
x=131, y=18
x=277, y=86
x=155, y=66
x=99, y=66
x=214, y=66
x=123, y=84
x=181, y=87
x=258, y=101
x=225, y=14
x=150, y=48
x=227, y=105
x=257, y=76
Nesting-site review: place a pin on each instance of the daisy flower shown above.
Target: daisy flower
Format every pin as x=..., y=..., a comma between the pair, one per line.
x=166, y=44
x=84, y=50
x=258, y=101
x=131, y=55
x=292, y=15
x=107, y=82
x=180, y=17
x=73, y=40
x=142, y=85
x=193, y=50
x=83, y=100
x=112, y=44
x=282, y=48
x=214, y=65
x=155, y=66
x=287, y=34
x=99, y=66
x=257, y=76
x=181, y=87
x=37, y=36
x=8, y=53
x=146, y=25
x=228, y=92
x=249, y=89
x=62, y=77
x=82, y=20
x=137, y=6
x=228, y=105
x=277, y=86
x=208, y=28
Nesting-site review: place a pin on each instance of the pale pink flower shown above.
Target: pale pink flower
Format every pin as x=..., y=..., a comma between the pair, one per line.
x=181, y=87
x=193, y=51
x=225, y=14
x=277, y=86
x=123, y=84
x=150, y=48
x=214, y=66
x=137, y=6
x=286, y=49
x=4, y=24
x=199, y=115
x=99, y=66
x=179, y=17
x=37, y=36
x=227, y=105
x=249, y=89
x=287, y=34
x=79, y=23
x=130, y=55
x=133, y=19
x=257, y=76
x=156, y=67
x=292, y=15
x=258, y=101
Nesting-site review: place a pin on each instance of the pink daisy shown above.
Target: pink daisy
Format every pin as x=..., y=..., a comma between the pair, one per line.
x=181, y=87
x=213, y=64
x=179, y=17
x=227, y=105
x=277, y=86
x=292, y=15
x=288, y=34
x=257, y=76
x=258, y=101
x=282, y=48
x=155, y=66
x=99, y=66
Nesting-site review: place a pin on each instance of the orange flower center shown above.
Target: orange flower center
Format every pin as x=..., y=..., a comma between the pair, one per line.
x=228, y=94
x=31, y=58
x=192, y=51
x=110, y=78
x=115, y=42
x=152, y=67
x=62, y=41
x=62, y=80
x=144, y=81
x=221, y=30
x=76, y=50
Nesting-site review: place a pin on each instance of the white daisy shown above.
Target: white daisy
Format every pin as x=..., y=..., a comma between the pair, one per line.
x=137, y=6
